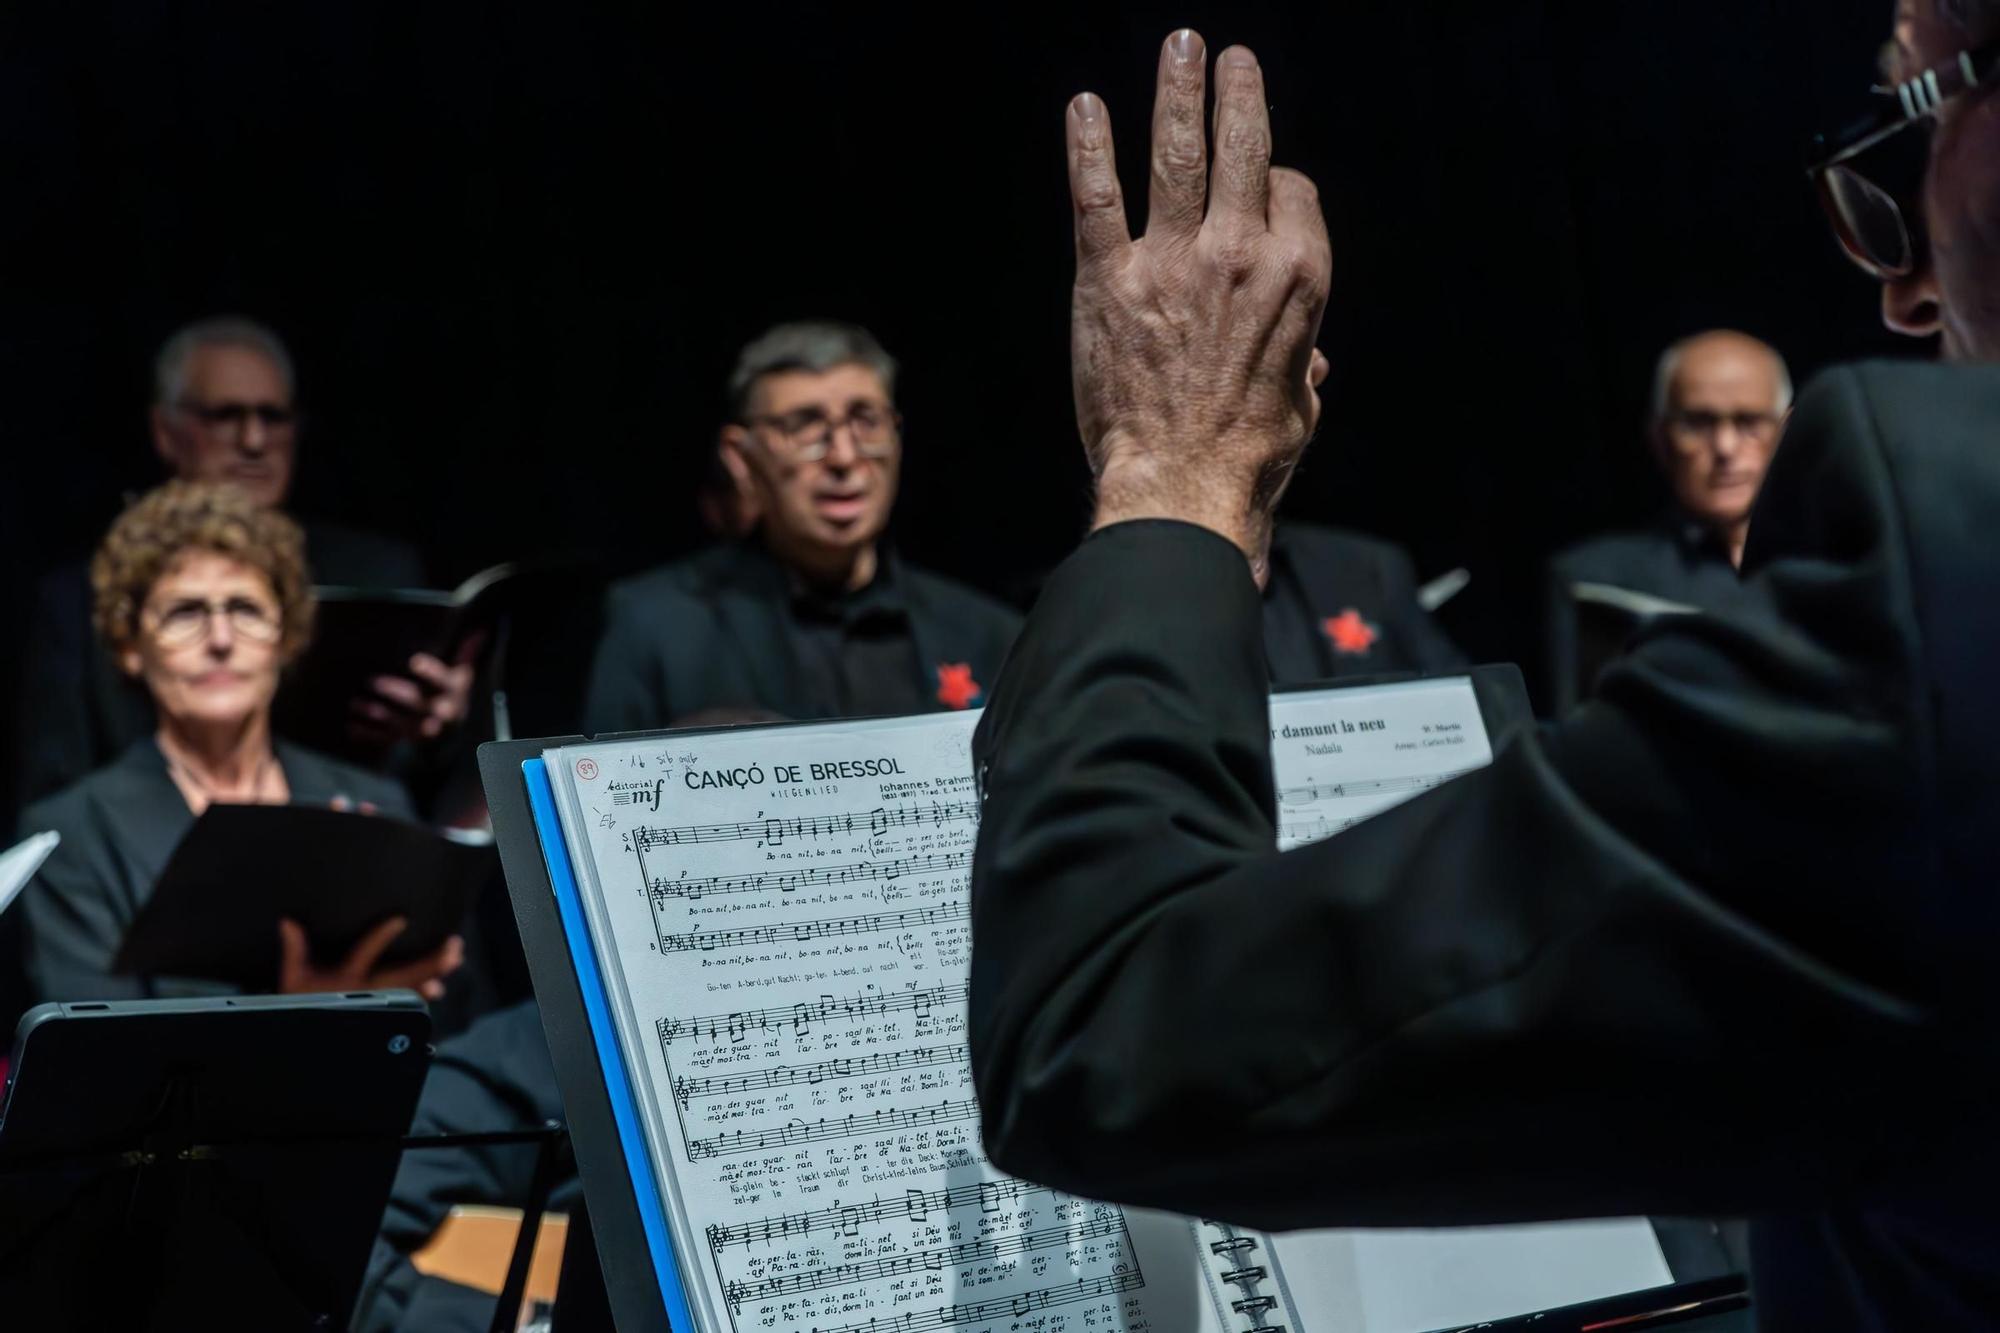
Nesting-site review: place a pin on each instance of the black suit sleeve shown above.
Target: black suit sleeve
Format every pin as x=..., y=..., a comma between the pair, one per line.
x=627, y=688
x=1517, y=996
x=71, y=918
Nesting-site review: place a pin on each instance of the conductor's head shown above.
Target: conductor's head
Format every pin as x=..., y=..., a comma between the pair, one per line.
x=202, y=596
x=814, y=441
x=1914, y=195
x=223, y=407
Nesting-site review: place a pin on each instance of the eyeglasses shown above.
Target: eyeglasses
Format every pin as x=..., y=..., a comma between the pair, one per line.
x=232, y=419
x=806, y=435
x=1701, y=424
x=1876, y=216
x=187, y=621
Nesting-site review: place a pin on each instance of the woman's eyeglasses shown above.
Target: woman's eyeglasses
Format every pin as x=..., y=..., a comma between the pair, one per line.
x=187, y=621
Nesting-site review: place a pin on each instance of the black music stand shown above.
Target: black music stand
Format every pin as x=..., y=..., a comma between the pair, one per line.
x=212, y=1163
x=616, y=1229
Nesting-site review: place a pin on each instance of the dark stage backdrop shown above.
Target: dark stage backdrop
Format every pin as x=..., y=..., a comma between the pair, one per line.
x=515, y=247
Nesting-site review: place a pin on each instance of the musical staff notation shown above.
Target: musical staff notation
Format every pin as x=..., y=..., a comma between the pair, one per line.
x=1324, y=791
x=980, y=1312
x=913, y=1205
x=791, y=881
x=1312, y=830
x=853, y=1009
x=785, y=1076
x=773, y=832
x=740, y=1294
x=803, y=931
x=845, y=1127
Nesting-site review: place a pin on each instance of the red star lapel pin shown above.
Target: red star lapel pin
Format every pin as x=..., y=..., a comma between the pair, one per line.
x=1350, y=633
x=956, y=687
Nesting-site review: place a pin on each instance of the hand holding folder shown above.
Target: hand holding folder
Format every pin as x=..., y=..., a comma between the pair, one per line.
x=341, y=880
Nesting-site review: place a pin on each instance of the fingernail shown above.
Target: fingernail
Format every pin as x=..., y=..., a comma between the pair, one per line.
x=1239, y=57
x=1185, y=46
x=1089, y=120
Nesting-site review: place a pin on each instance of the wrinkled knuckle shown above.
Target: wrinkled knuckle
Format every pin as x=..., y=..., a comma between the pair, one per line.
x=1236, y=256
x=1305, y=271
x=1179, y=153
x=1096, y=197
x=1247, y=140
x=1300, y=192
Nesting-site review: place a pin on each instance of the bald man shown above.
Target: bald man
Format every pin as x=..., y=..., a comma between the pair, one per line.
x=1719, y=401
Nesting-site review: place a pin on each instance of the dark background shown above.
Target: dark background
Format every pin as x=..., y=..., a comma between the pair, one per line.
x=514, y=249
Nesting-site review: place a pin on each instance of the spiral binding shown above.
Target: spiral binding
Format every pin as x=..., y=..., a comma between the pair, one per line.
x=1244, y=1279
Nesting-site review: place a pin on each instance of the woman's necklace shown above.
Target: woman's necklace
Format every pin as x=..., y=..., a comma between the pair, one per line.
x=186, y=774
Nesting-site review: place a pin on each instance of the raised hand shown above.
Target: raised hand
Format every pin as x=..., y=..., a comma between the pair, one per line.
x=1192, y=347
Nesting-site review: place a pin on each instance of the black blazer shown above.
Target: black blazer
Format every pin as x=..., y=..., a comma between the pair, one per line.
x=119, y=829
x=710, y=632
x=1723, y=941
x=1341, y=604
x=1673, y=559
x=79, y=711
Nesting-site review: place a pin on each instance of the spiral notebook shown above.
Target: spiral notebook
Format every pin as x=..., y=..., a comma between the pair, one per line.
x=770, y=928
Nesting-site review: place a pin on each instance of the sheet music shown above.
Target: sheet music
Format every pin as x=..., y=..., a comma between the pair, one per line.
x=1339, y=756
x=19, y=863
x=781, y=915
x=787, y=913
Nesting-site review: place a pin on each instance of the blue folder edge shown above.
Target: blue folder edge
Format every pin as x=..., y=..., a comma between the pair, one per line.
x=597, y=1008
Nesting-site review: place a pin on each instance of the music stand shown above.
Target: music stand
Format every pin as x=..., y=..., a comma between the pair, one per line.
x=617, y=1231
x=207, y=1163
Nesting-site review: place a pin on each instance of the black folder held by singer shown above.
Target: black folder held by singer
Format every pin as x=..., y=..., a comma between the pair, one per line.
x=362, y=633
x=242, y=868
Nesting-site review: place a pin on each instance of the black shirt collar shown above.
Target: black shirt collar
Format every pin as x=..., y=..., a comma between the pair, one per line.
x=1695, y=540
x=882, y=598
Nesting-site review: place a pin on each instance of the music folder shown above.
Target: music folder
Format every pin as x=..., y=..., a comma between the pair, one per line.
x=214, y=913
x=362, y=633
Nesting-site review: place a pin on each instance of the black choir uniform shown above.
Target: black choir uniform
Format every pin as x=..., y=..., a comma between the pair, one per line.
x=1721, y=942
x=1676, y=559
x=730, y=628
x=119, y=828
x=1338, y=604
x=79, y=711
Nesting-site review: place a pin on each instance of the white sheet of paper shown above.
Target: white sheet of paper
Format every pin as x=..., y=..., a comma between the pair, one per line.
x=1339, y=756
x=1418, y=1280
x=19, y=863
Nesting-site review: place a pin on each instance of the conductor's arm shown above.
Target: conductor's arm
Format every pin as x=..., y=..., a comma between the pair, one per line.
x=1522, y=995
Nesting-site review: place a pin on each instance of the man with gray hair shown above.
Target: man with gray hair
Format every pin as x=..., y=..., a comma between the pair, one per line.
x=1718, y=406
x=812, y=614
x=224, y=410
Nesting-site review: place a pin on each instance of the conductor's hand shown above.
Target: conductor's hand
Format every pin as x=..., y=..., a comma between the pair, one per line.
x=1192, y=347
x=298, y=974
